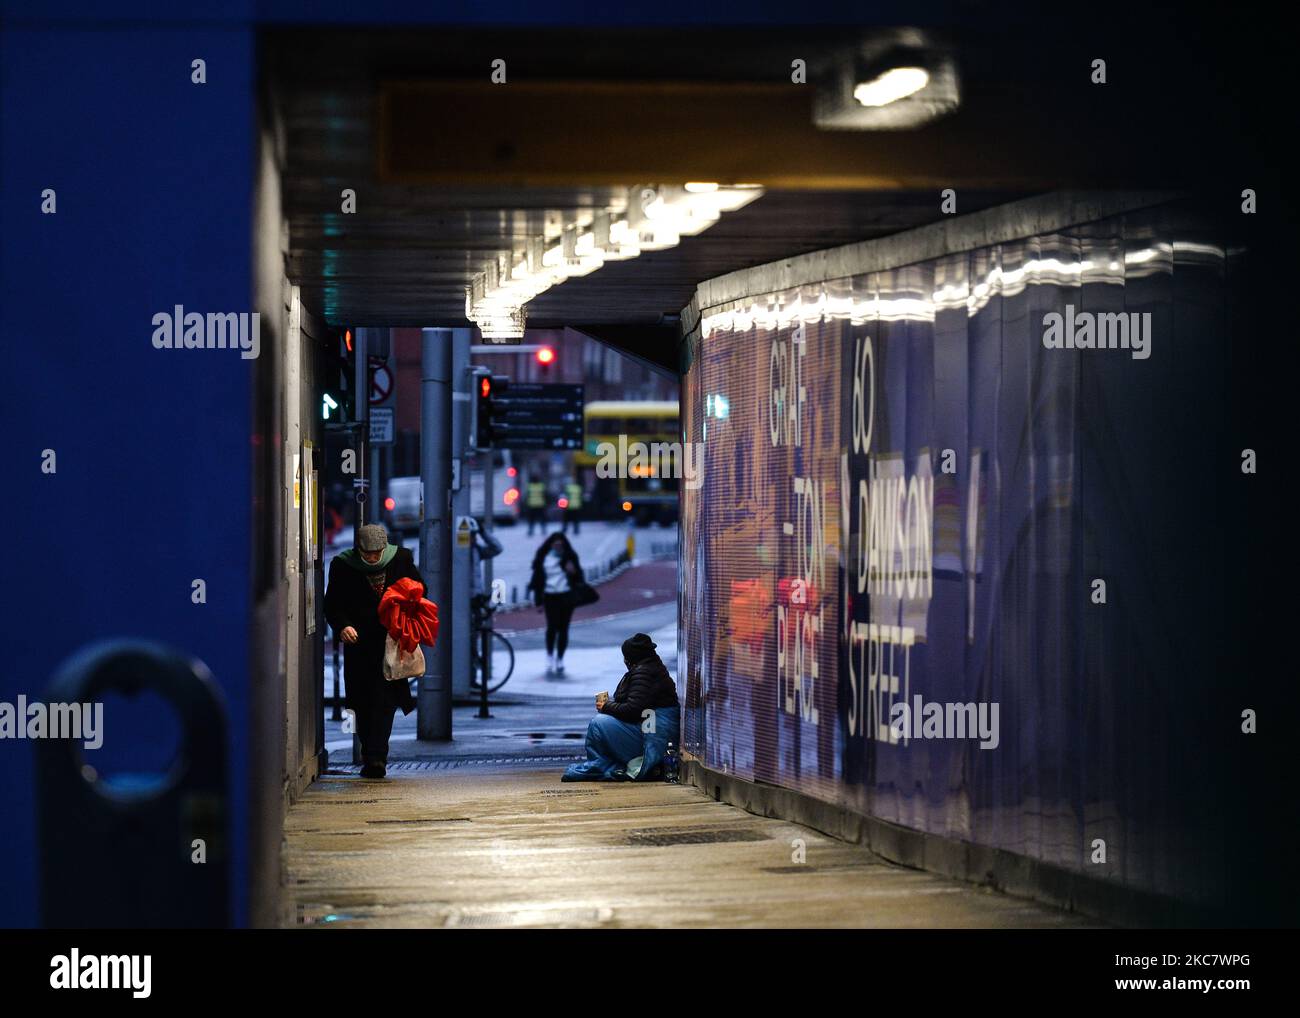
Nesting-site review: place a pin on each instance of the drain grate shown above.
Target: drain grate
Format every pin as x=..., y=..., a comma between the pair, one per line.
x=452, y=763
x=538, y=917
x=658, y=836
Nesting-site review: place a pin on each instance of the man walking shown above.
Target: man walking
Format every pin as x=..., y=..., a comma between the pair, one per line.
x=358, y=578
x=572, y=506
x=535, y=505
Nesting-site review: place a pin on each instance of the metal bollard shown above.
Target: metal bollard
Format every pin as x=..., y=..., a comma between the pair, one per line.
x=157, y=857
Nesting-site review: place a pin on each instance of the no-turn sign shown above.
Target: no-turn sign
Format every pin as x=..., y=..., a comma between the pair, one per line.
x=381, y=385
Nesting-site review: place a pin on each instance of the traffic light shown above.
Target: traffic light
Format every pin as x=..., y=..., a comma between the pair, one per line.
x=485, y=387
x=545, y=357
x=338, y=400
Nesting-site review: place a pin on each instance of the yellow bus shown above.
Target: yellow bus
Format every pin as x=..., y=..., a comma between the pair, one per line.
x=647, y=498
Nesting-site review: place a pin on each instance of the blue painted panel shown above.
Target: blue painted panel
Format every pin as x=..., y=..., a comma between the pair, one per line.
x=153, y=177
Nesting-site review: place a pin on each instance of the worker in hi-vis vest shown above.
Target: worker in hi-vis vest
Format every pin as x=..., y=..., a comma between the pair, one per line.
x=573, y=506
x=535, y=505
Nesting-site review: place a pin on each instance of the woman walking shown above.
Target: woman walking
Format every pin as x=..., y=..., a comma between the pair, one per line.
x=557, y=573
x=358, y=578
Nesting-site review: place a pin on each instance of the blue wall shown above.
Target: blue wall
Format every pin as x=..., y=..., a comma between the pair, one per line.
x=153, y=182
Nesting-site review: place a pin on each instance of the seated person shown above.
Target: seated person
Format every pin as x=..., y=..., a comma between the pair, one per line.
x=627, y=738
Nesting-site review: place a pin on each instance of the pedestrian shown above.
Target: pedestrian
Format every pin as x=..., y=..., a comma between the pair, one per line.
x=572, y=506
x=557, y=573
x=535, y=505
x=630, y=734
x=358, y=578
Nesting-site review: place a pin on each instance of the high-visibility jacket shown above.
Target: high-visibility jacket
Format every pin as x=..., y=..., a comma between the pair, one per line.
x=536, y=495
x=573, y=492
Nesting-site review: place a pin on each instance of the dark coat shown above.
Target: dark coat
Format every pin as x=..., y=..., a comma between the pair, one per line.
x=646, y=685
x=572, y=569
x=350, y=601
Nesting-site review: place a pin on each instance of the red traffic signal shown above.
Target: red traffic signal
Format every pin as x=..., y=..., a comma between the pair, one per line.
x=545, y=356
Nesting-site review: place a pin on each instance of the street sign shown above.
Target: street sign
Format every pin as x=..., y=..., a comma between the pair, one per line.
x=537, y=415
x=381, y=384
x=381, y=425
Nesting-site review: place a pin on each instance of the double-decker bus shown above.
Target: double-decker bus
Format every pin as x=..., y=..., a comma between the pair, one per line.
x=637, y=489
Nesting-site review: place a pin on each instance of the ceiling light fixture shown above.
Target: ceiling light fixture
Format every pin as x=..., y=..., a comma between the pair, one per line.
x=651, y=218
x=898, y=79
x=896, y=83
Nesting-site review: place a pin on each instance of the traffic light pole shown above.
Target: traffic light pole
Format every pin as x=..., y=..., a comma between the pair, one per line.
x=489, y=469
x=433, y=720
x=457, y=623
x=361, y=413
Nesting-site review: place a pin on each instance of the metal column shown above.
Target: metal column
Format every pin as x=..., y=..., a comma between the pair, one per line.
x=433, y=720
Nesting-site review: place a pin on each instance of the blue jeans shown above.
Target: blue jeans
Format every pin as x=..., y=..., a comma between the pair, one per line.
x=612, y=744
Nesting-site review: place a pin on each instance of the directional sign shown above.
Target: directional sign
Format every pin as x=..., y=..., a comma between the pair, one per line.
x=537, y=415
x=381, y=385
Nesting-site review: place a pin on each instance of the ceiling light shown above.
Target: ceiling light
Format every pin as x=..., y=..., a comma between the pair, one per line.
x=655, y=218
x=896, y=83
x=896, y=79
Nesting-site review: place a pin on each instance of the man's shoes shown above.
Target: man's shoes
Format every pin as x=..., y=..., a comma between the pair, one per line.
x=372, y=770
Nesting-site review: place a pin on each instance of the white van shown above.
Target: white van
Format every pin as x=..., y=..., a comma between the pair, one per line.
x=506, y=495
x=404, y=517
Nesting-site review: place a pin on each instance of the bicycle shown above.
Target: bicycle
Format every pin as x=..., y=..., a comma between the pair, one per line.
x=482, y=618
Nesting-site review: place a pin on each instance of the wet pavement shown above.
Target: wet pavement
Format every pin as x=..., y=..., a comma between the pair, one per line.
x=464, y=843
x=480, y=831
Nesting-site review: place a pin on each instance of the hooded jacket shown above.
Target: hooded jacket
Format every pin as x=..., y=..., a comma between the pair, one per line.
x=645, y=686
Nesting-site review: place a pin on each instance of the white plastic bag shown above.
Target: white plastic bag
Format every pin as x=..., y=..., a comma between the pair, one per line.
x=398, y=664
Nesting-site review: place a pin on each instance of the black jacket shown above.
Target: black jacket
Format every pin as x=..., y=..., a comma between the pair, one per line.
x=647, y=685
x=350, y=601
x=572, y=569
